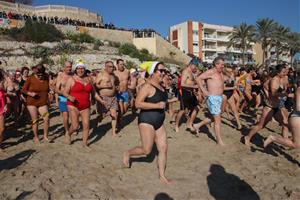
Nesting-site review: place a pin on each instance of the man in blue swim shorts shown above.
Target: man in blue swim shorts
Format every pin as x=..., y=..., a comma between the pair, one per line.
x=123, y=76
x=62, y=101
x=213, y=93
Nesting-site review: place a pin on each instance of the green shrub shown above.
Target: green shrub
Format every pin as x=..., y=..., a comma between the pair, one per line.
x=97, y=44
x=132, y=51
x=41, y=32
x=80, y=37
x=40, y=52
x=114, y=44
x=129, y=64
x=63, y=47
x=62, y=59
x=128, y=49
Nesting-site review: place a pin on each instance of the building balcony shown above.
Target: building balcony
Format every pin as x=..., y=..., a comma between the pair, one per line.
x=209, y=37
x=209, y=48
x=223, y=38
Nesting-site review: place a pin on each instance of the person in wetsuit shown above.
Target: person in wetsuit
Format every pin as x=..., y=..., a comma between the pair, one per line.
x=152, y=99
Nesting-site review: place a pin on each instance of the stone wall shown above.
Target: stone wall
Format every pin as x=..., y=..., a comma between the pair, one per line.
x=15, y=55
x=165, y=49
x=102, y=34
x=60, y=11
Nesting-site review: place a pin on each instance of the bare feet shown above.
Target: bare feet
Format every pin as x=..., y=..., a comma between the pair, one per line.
x=247, y=141
x=36, y=140
x=68, y=139
x=221, y=143
x=115, y=135
x=45, y=139
x=126, y=159
x=197, y=128
x=176, y=129
x=239, y=127
x=165, y=180
x=268, y=141
x=86, y=147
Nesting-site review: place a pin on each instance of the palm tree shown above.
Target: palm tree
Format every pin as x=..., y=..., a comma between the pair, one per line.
x=278, y=39
x=293, y=44
x=263, y=34
x=241, y=37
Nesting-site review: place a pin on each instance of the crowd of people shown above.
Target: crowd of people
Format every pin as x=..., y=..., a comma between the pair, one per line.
x=270, y=94
x=72, y=22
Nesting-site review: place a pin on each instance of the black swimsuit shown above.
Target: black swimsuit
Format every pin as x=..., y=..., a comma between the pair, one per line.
x=294, y=113
x=154, y=117
x=229, y=93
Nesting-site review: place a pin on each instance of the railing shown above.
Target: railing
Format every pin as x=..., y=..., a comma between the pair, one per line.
x=209, y=36
x=209, y=47
x=223, y=38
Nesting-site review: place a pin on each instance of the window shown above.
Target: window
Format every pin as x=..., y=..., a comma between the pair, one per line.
x=195, y=32
x=175, y=35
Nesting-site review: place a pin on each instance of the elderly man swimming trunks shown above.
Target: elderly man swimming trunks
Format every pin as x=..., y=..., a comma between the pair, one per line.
x=214, y=103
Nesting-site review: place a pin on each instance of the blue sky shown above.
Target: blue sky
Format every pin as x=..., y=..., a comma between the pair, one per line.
x=161, y=14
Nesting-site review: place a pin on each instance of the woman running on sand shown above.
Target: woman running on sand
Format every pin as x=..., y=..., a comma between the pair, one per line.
x=294, y=123
x=152, y=99
x=272, y=102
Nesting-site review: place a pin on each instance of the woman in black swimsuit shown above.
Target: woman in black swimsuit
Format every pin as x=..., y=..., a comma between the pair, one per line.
x=294, y=123
x=152, y=99
x=271, y=107
x=228, y=96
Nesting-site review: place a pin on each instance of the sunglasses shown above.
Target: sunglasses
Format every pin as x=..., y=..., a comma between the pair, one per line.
x=162, y=70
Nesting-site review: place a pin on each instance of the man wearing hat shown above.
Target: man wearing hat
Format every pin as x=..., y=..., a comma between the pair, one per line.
x=188, y=100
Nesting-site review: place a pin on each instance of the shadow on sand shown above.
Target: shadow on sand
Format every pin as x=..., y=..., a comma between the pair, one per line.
x=223, y=185
x=16, y=160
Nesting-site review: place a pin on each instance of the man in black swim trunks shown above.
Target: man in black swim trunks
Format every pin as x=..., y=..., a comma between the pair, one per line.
x=188, y=100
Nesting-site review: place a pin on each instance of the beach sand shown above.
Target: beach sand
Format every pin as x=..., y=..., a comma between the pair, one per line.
x=199, y=168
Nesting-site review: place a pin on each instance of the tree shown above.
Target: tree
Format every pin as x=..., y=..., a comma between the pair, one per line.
x=263, y=34
x=278, y=39
x=293, y=44
x=241, y=37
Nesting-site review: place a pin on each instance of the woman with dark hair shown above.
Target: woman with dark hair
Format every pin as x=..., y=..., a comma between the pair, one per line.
x=294, y=123
x=2, y=105
x=36, y=89
x=152, y=99
x=228, y=95
x=272, y=103
x=78, y=91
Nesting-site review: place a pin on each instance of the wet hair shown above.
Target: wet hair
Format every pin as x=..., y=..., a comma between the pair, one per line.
x=120, y=60
x=217, y=60
x=24, y=69
x=249, y=69
x=108, y=62
x=156, y=66
x=2, y=75
x=279, y=68
x=40, y=69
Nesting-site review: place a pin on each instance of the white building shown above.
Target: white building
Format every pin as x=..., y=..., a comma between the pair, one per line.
x=206, y=41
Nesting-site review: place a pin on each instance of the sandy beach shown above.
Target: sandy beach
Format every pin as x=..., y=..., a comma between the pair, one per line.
x=199, y=168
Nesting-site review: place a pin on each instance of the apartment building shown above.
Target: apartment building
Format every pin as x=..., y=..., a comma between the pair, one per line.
x=207, y=41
